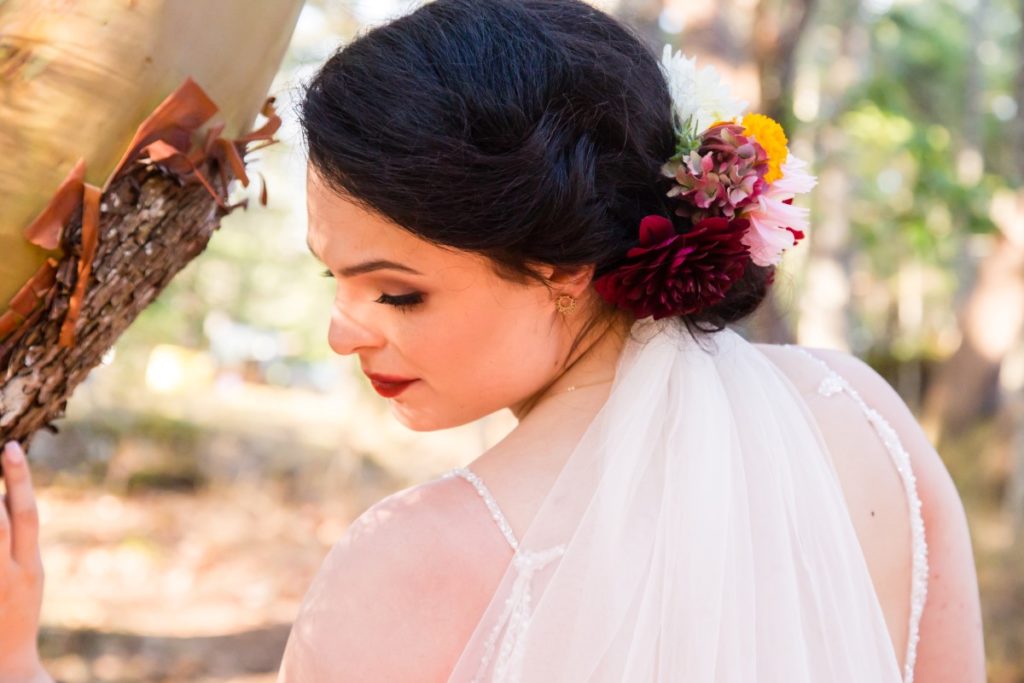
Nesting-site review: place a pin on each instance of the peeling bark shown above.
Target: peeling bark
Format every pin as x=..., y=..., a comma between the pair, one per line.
x=151, y=226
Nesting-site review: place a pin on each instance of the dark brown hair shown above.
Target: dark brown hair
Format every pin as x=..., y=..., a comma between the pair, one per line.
x=529, y=131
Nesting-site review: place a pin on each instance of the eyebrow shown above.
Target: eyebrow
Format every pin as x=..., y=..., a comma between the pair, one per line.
x=370, y=266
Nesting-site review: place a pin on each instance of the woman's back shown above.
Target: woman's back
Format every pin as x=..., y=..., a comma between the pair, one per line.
x=882, y=502
x=478, y=516
x=905, y=508
x=875, y=492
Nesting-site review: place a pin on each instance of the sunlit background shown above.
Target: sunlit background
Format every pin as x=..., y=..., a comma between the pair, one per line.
x=203, y=471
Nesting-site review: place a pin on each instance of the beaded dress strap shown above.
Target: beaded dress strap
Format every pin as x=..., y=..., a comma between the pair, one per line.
x=504, y=646
x=834, y=383
x=492, y=505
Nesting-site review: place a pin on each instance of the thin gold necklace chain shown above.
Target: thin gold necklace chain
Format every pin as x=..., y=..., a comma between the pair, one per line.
x=574, y=387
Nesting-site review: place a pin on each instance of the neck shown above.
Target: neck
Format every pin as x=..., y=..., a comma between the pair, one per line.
x=591, y=366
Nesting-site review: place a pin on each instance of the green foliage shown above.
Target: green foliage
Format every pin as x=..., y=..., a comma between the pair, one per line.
x=911, y=109
x=907, y=120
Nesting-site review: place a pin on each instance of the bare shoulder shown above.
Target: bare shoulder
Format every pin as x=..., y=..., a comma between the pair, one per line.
x=397, y=596
x=935, y=485
x=939, y=497
x=951, y=646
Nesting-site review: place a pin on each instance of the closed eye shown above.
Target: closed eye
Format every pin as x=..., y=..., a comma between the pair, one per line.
x=403, y=301
x=399, y=301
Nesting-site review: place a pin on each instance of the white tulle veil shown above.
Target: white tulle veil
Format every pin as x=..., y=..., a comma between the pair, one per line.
x=697, y=533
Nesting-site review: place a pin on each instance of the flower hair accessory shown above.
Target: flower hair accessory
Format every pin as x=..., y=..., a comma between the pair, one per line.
x=733, y=184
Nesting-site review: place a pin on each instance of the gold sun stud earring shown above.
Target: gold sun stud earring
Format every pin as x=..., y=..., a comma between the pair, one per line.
x=565, y=304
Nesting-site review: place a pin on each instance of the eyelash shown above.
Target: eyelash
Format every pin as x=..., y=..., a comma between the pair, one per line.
x=401, y=302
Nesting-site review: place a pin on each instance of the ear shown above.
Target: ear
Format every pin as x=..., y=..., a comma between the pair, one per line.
x=571, y=280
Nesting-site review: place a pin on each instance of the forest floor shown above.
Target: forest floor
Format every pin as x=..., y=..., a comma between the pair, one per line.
x=180, y=533
x=175, y=586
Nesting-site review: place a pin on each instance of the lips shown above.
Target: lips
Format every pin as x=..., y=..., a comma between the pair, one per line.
x=389, y=386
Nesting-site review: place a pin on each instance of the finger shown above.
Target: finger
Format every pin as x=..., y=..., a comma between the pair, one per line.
x=21, y=507
x=5, y=530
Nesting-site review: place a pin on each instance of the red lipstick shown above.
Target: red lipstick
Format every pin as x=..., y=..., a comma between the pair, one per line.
x=388, y=386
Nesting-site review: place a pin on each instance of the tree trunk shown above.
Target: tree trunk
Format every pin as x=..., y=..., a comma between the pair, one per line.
x=1013, y=503
x=970, y=159
x=643, y=16
x=991, y=322
x=992, y=317
x=1017, y=127
x=826, y=290
x=150, y=228
x=825, y=311
x=76, y=84
x=778, y=28
x=775, y=37
x=177, y=82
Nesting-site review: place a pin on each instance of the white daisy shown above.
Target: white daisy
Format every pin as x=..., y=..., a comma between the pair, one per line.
x=700, y=97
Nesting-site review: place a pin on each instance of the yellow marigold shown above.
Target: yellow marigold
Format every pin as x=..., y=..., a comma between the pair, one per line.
x=769, y=134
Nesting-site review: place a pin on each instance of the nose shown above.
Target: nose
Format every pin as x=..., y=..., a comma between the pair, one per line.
x=346, y=336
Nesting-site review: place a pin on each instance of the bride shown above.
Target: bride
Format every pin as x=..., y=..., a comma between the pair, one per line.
x=524, y=209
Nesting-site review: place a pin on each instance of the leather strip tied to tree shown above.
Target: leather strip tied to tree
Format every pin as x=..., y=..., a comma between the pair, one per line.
x=121, y=124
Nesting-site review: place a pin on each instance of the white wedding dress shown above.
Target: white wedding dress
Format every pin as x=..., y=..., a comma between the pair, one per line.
x=698, y=533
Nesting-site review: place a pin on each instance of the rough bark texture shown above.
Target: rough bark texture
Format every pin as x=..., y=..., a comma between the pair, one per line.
x=151, y=226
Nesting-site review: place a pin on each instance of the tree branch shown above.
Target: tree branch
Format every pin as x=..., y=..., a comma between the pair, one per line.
x=151, y=226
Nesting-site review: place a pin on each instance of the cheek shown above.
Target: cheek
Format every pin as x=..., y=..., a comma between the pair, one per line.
x=481, y=357
x=513, y=352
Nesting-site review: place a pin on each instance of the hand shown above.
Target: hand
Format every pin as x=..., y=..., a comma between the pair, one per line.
x=21, y=573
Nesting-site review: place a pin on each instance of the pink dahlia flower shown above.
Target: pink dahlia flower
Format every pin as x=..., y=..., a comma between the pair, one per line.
x=775, y=224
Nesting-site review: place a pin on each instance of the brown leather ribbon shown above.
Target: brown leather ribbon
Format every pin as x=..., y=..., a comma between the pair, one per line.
x=178, y=163
x=90, y=239
x=173, y=121
x=28, y=296
x=164, y=138
x=45, y=230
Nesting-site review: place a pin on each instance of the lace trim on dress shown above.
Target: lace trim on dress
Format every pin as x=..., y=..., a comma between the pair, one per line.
x=492, y=505
x=834, y=383
x=515, y=618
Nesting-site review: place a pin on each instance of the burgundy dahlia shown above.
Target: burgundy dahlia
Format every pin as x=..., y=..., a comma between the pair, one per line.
x=671, y=274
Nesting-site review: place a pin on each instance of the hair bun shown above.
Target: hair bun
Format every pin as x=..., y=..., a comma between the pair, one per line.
x=550, y=153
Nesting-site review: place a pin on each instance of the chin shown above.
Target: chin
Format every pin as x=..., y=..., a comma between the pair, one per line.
x=419, y=421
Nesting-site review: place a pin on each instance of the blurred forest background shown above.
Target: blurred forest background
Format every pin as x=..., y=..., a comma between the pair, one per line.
x=204, y=470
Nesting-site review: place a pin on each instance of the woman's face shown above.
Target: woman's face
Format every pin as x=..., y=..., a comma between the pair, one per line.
x=472, y=342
